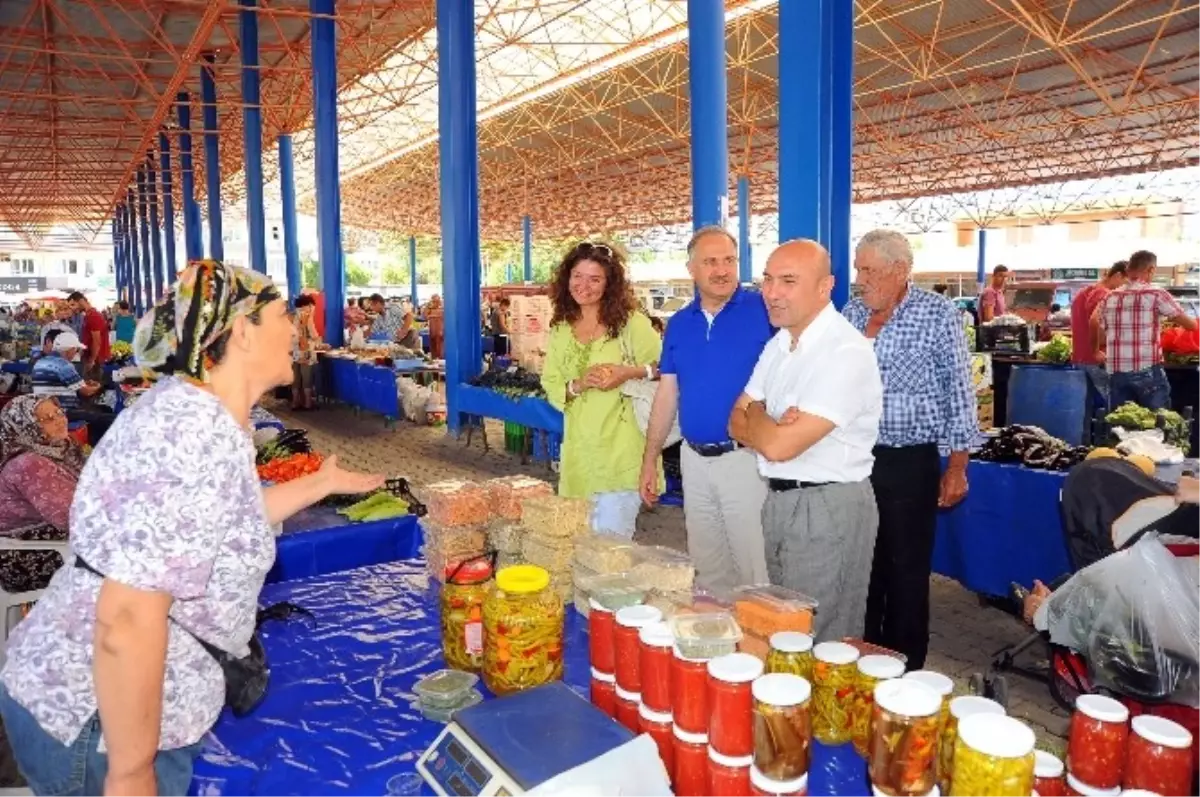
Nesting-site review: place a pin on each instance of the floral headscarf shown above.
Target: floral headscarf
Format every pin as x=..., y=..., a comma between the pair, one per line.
x=20, y=433
x=174, y=337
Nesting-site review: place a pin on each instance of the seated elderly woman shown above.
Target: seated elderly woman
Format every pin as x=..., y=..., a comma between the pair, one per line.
x=121, y=668
x=39, y=467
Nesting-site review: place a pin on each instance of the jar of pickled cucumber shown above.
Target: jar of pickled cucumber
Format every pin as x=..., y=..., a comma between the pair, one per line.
x=791, y=652
x=960, y=709
x=993, y=756
x=902, y=754
x=833, y=691
x=782, y=728
x=523, y=631
x=463, y=595
x=870, y=672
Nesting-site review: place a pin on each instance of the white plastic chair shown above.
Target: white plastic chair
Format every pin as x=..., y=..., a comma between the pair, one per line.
x=11, y=602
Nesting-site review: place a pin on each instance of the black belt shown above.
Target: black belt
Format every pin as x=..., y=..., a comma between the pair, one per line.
x=785, y=485
x=715, y=449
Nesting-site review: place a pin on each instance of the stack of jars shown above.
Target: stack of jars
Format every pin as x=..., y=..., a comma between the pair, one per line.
x=1107, y=753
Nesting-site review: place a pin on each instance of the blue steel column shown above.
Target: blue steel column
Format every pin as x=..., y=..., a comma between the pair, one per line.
x=527, y=235
x=256, y=222
x=116, y=242
x=135, y=281
x=287, y=190
x=839, y=18
x=329, y=195
x=981, y=262
x=156, y=254
x=164, y=147
x=707, y=91
x=212, y=160
x=412, y=269
x=147, y=289
x=745, y=269
x=459, y=188
x=193, y=243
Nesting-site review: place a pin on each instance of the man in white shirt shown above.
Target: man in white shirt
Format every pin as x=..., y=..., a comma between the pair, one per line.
x=811, y=412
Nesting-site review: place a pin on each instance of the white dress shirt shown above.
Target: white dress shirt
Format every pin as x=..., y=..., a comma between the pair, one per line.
x=830, y=372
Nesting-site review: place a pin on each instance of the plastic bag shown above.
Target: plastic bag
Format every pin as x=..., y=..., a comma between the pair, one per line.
x=1133, y=617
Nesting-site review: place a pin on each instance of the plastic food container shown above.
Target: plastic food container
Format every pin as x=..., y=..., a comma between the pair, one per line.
x=555, y=516
x=445, y=688
x=1096, y=741
x=604, y=553
x=462, y=602
x=1159, y=756
x=904, y=728
x=662, y=569
x=871, y=670
x=762, y=786
x=457, y=503
x=550, y=553
x=689, y=694
x=993, y=757
x=601, y=628
x=1077, y=788
x=505, y=536
x=655, y=651
x=833, y=684
x=706, y=636
x=523, y=631
x=658, y=724
x=613, y=591
x=628, y=706
x=626, y=646
x=690, y=775
x=791, y=652
x=960, y=707
x=782, y=730
x=730, y=704
x=446, y=714
x=507, y=494
x=1049, y=774
x=728, y=776
x=766, y=609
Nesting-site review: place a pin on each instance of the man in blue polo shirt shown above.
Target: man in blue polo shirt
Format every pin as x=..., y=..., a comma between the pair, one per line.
x=709, y=351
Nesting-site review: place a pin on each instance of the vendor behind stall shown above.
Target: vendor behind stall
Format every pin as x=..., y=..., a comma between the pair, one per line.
x=992, y=303
x=394, y=323
x=1087, y=338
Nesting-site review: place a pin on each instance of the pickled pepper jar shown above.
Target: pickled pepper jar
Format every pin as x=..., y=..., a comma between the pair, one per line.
x=960, y=708
x=833, y=687
x=463, y=595
x=993, y=757
x=1159, y=756
x=523, y=631
x=791, y=651
x=871, y=671
x=902, y=755
x=1096, y=741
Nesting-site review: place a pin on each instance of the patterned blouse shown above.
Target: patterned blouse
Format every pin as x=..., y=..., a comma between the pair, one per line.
x=169, y=502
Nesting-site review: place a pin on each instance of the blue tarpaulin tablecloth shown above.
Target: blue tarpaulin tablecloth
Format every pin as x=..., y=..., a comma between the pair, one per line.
x=318, y=541
x=534, y=413
x=339, y=716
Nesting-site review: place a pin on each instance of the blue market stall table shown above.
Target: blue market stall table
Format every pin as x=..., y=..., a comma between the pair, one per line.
x=340, y=715
x=533, y=413
x=319, y=541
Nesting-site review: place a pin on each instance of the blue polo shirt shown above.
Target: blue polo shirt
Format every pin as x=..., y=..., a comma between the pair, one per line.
x=713, y=362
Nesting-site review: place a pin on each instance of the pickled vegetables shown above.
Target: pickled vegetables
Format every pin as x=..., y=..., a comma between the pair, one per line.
x=833, y=685
x=960, y=708
x=523, y=631
x=902, y=756
x=462, y=602
x=871, y=671
x=782, y=729
x=791, y=652
x=993, y=756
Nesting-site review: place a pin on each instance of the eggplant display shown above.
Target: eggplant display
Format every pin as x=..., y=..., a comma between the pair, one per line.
x=513, y=382
x=1031, y=447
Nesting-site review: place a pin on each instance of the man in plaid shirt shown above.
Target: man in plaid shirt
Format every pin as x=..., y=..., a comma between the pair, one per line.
x=1132, y=317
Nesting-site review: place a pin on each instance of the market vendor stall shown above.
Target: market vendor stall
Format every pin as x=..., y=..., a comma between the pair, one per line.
x=319, y=541
x=533, y=413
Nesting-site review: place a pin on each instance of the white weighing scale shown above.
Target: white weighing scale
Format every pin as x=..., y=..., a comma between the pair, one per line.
x=513, y=744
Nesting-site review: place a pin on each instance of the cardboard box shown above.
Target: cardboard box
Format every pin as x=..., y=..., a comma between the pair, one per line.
x=985, y=405
x=981, y=371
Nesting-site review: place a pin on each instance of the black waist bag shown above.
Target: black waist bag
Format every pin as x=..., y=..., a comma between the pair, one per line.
x=245, y=678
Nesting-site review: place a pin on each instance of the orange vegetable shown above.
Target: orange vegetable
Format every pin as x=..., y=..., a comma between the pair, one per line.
x=285, y=469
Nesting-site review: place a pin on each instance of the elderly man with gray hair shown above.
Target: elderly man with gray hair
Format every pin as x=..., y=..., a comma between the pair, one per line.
x=928, y=404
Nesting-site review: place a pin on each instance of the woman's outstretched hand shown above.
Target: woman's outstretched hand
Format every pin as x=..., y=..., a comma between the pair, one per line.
x=344, y=482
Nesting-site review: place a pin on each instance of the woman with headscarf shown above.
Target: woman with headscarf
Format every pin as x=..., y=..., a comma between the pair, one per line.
x=39, y=468
x=172, y=536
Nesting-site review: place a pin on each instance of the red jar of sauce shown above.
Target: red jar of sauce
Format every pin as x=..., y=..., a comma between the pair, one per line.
x=1077, y=788
x=1049, y=775
x=654, y=665
x=626, y=647
x=1159, y=756
x=731, y=704
x=659, y=726
x=1096, y=742
x=600, y=637
x=689, y=694
x=604, y=692
x=628, y=704
x=690, y=775
x=762, y=786
x=728, y=776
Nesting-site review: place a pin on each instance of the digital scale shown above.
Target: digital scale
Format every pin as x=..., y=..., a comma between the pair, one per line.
x=513, y=744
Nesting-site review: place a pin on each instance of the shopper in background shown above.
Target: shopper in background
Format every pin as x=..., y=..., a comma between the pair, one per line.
x=124, y=323
x=170, y=511
x=353, y=317
x=992, y=303
x=95, y=337
x=1087, y=339
x=498, y=326
x=598, y=342
x=811, y=410
x=304, y=394
x=61, y=315
x=1132, y=317
x=55, y=375
x=435, y=318
x=709, y=352
x=928, y=402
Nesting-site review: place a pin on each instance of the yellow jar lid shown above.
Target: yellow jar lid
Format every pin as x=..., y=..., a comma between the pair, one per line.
x=522, y=579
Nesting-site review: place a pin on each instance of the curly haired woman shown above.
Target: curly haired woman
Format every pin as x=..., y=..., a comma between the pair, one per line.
x=598, y=342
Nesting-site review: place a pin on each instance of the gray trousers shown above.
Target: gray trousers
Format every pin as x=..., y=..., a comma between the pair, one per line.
x=722, y=507
x=820, y=541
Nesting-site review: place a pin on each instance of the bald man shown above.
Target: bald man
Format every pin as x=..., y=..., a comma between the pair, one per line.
x=811, y=412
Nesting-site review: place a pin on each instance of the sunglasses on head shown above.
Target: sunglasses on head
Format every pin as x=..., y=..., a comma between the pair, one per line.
x=587, y=247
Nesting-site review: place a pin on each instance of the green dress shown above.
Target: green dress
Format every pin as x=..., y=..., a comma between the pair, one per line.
x=602, y=444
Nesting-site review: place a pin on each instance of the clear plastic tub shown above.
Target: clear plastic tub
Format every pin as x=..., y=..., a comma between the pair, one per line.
x=662, y=569
x=505, y=536
x=550, y=553
x=706, y=636
x=604, y=553
x=506, y=494
x=457, y=503
x=767, y=609
x=445, y=688
x=446, y=714
x=555, y=516
x=613, y=591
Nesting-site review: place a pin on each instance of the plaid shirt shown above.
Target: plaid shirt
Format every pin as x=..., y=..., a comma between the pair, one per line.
x=926, y=370
x=1132, y=318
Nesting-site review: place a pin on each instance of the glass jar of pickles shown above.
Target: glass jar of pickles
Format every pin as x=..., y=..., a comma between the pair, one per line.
x=833, y=686
x=1049, y=774
x=960, y=708
x=943, y=687
x=871, y=671
x=1096, y=741
x=992, y=757
x=1159, y=756
x=523, y=631
x=902, y=755
x=463, y=595
x=782, y=730
x=791, y=652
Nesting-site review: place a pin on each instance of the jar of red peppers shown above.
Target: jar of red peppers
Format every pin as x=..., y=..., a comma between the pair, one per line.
x=659, y=726
x=1049, y=775
x=626, y=648
x=1077, y=788
x=728, y=776
x=762, y=786
x=1159, y=756
x=690, y=775
x=730, y=702
x=833, y=687
x=628, y=706
x=656, y=644
x=604, y=692
x=1096, y=741
x=600, y=637
x=902, y=755
x=689, y=693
